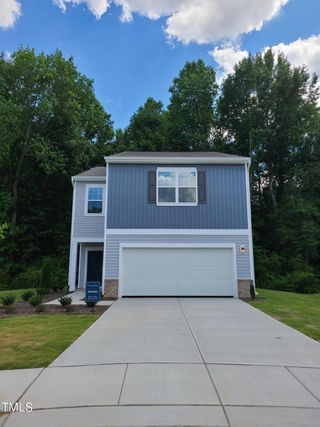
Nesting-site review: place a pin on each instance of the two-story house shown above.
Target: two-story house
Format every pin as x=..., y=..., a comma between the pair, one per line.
x=163, y=224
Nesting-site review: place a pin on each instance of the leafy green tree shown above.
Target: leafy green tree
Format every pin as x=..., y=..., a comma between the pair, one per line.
x=190, y=112
x=51, y=128
x=147, y=128
x=49, y=111
x=268, y=110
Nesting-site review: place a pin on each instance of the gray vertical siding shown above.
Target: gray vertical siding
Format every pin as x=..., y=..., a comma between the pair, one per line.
x=85, y=226
x=225, y=208
x=111, y=257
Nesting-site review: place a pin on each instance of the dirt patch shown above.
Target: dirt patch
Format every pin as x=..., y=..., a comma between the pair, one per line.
x=25, y=309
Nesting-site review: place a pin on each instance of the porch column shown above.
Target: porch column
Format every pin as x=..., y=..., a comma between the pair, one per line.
x=73, y=266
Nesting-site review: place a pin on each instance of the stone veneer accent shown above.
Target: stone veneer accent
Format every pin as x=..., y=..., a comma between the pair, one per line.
x=244, y=288
x=111, y=288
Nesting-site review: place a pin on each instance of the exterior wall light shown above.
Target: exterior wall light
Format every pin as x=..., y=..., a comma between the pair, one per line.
x=243, y=249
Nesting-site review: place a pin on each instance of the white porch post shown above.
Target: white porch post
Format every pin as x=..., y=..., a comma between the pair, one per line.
x=72, y=266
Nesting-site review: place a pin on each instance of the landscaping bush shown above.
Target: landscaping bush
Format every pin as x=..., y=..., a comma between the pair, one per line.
x=27, y=295
x=91, y=304
x=35, y=300
x=45, y=284
x=8, y=299
x=252, y=291
x=9, y=309
x=65, y=301
x=40, y=308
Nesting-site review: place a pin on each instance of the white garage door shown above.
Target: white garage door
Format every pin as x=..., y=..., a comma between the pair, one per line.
x=178, y=271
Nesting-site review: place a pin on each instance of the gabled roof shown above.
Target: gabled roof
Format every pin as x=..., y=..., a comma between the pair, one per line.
x=160, y=157
x=94, y=174
x=176, y=157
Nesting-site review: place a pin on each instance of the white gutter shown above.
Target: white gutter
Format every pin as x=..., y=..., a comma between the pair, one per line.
x=179, y=160
x=88, y=178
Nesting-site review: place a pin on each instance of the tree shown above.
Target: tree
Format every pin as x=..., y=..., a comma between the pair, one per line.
x=190, y=112
x=52, y=127
x=147, y=128
x=268, y=110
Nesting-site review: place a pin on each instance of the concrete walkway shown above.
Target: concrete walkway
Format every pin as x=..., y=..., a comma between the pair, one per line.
x=78, y=299
x=179, y=362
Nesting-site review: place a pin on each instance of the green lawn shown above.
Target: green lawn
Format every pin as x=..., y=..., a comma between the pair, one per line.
x=35, y=341
x=17, y=292
x=299, y=311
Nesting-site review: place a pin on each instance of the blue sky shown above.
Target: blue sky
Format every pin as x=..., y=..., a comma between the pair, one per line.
x=135, y=56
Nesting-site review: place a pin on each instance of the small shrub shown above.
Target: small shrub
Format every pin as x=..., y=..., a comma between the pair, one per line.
x=252, y=291
x=9, y=309
x=91, y=304
x=27, y=295
x=65, y=301
x=8, y=299
x=35, y=300
x=40, y=308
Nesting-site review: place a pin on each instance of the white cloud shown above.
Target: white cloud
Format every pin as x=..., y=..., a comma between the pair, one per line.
x=200, y=21
x=227, y=57
x=205, y=21
x=96, y=7
x=10, y=10
x=302, y=52
x=299, y=52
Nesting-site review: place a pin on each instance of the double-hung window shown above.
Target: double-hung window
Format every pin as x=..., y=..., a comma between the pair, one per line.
x=177, y=186
x=94, y=199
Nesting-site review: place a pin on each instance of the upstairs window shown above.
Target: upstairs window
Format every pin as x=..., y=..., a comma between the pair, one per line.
x=177, y=186
x=94, y=199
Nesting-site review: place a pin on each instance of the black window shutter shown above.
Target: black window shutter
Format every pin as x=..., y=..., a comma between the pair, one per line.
x=201, y=187
x=152, y=187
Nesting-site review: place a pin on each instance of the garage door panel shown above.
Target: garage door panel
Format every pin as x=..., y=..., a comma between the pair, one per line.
x=178, y=271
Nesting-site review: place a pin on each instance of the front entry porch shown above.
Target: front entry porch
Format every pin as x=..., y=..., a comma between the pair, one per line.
x=86, y=264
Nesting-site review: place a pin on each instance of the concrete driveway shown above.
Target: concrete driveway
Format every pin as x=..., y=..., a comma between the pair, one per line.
x=180, y=361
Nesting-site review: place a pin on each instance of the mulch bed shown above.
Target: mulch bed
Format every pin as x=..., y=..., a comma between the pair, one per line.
x=25, y=309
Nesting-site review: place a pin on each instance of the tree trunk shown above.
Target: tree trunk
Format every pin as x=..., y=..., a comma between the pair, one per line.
x=16, y=180
x=273, y=197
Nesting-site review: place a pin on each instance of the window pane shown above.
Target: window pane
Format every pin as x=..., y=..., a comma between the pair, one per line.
x=166, y=179
x=187, y=195
x=166, y=195
x=94, y=206
x=187, y=179
x=95, y=193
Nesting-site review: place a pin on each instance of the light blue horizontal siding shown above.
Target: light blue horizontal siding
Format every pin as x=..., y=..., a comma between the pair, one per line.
x=113, y=244
x=85, y=226
x=225, y=207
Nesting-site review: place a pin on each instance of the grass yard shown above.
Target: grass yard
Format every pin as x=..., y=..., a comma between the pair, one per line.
x=35, y=341
x=300, y=311
x=17, y=292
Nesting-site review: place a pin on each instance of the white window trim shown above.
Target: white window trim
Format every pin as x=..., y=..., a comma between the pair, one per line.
x=176, y=170
x=88, y=186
